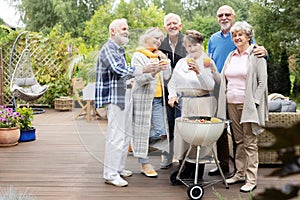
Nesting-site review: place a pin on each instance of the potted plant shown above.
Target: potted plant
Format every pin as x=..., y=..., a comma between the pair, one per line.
x=9, y=126
x=26, y=128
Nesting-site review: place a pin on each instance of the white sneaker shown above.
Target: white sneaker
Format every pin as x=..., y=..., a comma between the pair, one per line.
x=248, y=187
x=118, y=181
x=235, y=179
x=125, y=173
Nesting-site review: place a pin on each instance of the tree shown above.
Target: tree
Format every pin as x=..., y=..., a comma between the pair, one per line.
x=277, y=28
x=43, y=15
x=96, y=30
x=38, y=15
x=278, y=75
x=207, y=25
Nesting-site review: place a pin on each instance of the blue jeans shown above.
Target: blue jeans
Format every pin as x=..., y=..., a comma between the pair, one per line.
x=170, y=116
x=157, y=119
x=144, y=160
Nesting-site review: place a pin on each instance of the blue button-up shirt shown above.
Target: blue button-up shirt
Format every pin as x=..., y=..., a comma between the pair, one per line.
x=111, y=75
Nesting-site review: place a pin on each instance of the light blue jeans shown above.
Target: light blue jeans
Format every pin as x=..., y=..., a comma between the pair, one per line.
x=157, y=123
x=157, y=119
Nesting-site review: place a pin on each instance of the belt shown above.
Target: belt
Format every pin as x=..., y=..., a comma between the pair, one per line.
x=192, y=93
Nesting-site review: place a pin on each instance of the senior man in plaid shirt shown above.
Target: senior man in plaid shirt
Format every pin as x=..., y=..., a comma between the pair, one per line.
x=112, y=73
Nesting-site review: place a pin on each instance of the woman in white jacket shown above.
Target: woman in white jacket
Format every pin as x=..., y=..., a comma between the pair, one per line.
x=190, y=87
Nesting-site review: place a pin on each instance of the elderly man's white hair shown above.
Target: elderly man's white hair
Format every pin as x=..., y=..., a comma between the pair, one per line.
x=172, y=15
x=117, y=22
x=227, y=7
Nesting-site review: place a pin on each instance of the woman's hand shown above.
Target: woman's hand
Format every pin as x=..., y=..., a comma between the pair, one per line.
x=193, y=66
x=172, y=101
x=163, y=64
x=160, y=54
x=150, y=68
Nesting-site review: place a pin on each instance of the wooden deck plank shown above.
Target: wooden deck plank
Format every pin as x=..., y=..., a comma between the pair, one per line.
x=65, y=162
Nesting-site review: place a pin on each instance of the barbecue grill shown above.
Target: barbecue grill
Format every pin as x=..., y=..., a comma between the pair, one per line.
x=199, y=131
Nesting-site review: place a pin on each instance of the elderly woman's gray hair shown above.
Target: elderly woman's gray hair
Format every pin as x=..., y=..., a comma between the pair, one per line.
x=193, y=36
x=151, y=32
x=245, y=27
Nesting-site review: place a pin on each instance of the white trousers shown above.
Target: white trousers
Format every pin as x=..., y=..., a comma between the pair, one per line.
x=118, y=136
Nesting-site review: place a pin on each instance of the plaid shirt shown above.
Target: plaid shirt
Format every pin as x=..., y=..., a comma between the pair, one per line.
x=111, y=75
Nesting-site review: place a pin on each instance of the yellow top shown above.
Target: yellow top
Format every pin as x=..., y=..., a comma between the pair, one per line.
x=158, y=91
x=149, y=53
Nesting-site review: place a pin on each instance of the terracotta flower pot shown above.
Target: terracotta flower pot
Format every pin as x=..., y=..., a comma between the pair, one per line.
x=9, y=136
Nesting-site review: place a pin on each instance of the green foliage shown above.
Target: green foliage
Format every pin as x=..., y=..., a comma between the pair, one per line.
x=71, y=15
x=220, y=197
x=38, y=15
x=277, y=29
x=84, y=66
x=173, y=6
x=96, y=30
x=83, y=25
x=58, y=87
x=206, y=25
x=26, y=117
x=12, y=194
x=4, y=31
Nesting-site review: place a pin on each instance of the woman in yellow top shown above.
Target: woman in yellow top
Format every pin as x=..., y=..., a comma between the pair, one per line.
x=149, y=115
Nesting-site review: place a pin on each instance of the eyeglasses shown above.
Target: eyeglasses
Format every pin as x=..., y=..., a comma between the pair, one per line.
x=226, y=15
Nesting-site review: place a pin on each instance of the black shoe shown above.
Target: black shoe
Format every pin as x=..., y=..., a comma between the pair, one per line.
x=154, y=139
x=216, y=171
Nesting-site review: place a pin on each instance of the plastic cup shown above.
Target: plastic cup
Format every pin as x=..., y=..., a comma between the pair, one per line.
x=206, y=62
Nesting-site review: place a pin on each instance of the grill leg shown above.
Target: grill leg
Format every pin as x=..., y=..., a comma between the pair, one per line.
x=182, y=164
x=197, y=164
x=220, y=169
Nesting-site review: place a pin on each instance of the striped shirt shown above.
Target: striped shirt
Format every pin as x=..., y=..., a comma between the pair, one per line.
x=111, y=75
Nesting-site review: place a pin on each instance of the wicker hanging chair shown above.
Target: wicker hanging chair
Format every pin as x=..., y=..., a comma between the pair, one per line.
x=23, y=83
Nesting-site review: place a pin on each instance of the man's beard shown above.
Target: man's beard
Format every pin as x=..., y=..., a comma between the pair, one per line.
x=225, y=26
x=122, y=39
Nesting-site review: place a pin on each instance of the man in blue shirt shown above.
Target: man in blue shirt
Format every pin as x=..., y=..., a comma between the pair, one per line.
x=219, y=47
x=111, y=91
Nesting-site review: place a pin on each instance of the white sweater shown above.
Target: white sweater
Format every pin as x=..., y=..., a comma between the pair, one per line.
x=184, y=79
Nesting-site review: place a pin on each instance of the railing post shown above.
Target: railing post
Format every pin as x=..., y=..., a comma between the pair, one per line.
x=1, y=79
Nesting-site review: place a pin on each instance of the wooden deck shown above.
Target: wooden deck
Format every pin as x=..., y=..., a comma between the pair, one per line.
x=65, y=163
